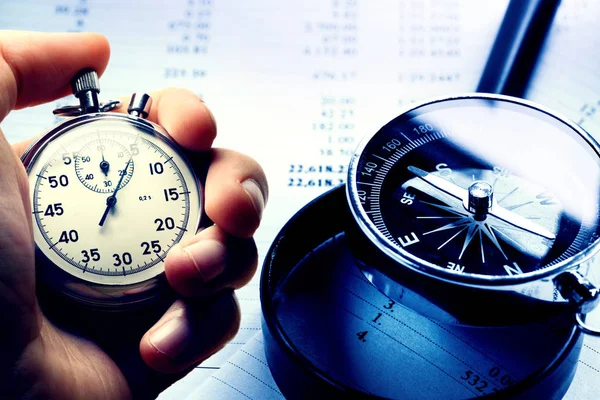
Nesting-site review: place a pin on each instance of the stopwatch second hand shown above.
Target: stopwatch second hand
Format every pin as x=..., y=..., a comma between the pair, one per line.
x=112, y=199
x=496, y=210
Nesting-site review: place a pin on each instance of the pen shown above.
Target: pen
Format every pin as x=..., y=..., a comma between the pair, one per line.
x=517, y=46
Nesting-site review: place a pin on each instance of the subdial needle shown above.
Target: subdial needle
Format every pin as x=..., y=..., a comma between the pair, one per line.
x=112, y=199
x=104, y=165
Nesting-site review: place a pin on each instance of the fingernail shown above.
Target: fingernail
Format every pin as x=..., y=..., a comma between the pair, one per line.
x=256, y=196
x=208, y=257
x=171, y=338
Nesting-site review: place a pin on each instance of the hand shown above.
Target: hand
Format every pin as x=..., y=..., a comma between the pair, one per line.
x=496, y=210
x=42, y=359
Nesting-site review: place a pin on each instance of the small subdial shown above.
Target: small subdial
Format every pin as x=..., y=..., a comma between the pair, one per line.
x=99, y=165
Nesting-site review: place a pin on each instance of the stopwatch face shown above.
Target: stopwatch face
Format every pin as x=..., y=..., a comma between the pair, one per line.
x=111, y=195
x=483, y=191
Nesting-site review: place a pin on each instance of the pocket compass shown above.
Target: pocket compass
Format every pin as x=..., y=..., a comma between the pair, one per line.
x=496, y=199
x=458, y=261
x=111, y=194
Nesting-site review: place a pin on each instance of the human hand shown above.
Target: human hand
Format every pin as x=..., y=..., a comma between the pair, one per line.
x=45, y=358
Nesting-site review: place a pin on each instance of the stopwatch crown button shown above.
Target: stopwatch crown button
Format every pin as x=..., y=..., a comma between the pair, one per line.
x=85, y=81
x=139, y=105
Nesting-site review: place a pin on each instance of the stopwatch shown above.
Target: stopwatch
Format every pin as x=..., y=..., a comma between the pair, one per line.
x=495, y=199
x=111, y=194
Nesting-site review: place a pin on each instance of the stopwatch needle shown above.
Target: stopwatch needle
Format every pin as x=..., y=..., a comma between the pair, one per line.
x=104, y=165
x=496, y=210
x=112, y=199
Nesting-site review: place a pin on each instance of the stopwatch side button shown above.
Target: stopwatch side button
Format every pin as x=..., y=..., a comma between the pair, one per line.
x=139, y=105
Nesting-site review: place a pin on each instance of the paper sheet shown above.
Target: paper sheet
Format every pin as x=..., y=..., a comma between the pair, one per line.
x=296, y=85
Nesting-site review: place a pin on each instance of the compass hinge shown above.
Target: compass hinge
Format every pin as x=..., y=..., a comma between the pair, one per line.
x=578, y=290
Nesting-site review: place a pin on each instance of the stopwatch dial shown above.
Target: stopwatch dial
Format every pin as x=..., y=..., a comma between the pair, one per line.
x=478, y=190
x=99, y=164
x=117, y=233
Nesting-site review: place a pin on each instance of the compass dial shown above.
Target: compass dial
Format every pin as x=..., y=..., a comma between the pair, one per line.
x=481, y=191
x=118, y=226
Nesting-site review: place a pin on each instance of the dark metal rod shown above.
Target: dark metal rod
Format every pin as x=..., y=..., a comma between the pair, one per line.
x=518, y=43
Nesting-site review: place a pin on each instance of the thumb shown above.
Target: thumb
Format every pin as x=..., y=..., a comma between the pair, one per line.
x=34, y=68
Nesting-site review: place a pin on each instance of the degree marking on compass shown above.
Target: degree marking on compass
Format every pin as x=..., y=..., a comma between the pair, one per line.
x=455, y=235
x=510, y=208
x=510, y=239
x=505, y=196
x=381, y=158
x=437, y=217
x=406, y=137
x=446, y=208
x=473, y=229
x=481, y=246
x=490, y=234
x=366, y=183
x=457, y=224
x=495, y=182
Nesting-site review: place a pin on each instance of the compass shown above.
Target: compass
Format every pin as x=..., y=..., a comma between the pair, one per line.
x=457, y=262
x=487, y=195
x=111, y=194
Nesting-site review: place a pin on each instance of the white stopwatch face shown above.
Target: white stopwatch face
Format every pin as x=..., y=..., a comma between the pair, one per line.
x=110, y=196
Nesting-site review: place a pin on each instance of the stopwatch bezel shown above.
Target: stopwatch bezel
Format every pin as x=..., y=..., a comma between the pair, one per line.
x=100, y=294
x=406, y=259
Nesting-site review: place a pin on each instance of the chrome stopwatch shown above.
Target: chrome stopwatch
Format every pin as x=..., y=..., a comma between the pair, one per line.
x=484, y=203
x=111, y=194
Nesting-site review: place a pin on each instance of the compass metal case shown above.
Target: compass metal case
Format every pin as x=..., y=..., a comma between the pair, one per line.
x=479, y=195
x=76, y=171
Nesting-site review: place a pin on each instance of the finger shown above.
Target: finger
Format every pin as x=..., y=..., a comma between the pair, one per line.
x=38, y=67
x=34, y=68
x=20, y=147
x=184, y=115
x=189, y=333
x=236, y=184
x=209, y=262
x=236, y=192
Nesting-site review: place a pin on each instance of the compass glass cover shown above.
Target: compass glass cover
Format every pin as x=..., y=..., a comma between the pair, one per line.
x=479, y=190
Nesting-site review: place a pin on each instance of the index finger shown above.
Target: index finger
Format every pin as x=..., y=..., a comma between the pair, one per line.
x=38, y=67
